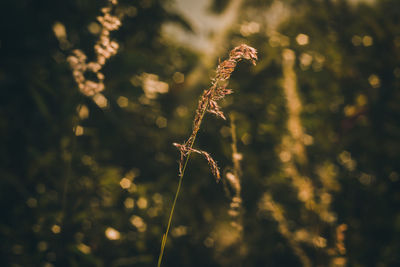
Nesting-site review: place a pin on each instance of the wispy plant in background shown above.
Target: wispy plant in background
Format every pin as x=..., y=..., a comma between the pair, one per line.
x=315, y=195
x=232, y=182
x=104, y=49
x=208, y=103
x=88, y=76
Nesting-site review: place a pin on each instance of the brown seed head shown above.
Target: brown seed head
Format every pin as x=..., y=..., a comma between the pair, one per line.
x=208, y=101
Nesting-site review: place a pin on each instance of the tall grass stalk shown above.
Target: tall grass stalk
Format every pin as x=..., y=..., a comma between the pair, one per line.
x=207, y=103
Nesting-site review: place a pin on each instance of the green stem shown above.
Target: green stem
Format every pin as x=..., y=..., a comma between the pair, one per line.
x=165, y=236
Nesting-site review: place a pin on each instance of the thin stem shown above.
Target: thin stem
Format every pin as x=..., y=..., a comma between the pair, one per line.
x=68, y=173
x=209, y=97
x=165, y=236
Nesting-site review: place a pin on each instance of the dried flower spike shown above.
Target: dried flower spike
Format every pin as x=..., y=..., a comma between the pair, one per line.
x=208, y=101
x=211, y=162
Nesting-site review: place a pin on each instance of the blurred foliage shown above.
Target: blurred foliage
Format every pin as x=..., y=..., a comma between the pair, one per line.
x=102, y=198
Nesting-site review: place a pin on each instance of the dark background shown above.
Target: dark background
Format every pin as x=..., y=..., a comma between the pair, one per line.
x=59, y=193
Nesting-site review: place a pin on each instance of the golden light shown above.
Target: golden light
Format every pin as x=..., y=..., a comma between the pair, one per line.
x=157, y=198
x=249, y=28
x=152, y=86
x=112, y=234
x=61, y=35
x=153, y=212
x=318, y=62
x=345, y=159
x=306, y=191
x=361, y=100
x=246, y=138
x=142, y=203
x=125, y=183
x=288, y=55
x=84, y=248
x=100, y=100
x=374, y=81
x=83, y=112
x=339, y=261
x=367, y=40
x=237, y=156
x=94, y=28
x=178, y=77
x=319, y=241
x=122, y=101
x=182, y=111
x=161, y=122
x=230, y=176
x=138, y=223
x=308, y=139
x=302, y=39
x=274, y=41
x=328, y=217
x=225, y=236
x=366, y=179
x=79, y=130
x=56, y=229
x=285, y=156
x=349, y=110
x=129, y=203
x=326, y=198
x=179, y=231
x=301, y=235
x=133, y=188
x=277, y=39
x=305, y=60
x=59, y=30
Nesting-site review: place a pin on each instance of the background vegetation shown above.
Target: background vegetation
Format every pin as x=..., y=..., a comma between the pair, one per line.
x=89, y=185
